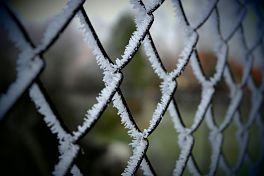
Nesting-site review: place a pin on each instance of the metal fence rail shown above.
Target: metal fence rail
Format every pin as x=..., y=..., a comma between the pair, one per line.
x=30, y=63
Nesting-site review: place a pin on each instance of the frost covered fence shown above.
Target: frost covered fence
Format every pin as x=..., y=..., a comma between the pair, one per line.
x=30, y=63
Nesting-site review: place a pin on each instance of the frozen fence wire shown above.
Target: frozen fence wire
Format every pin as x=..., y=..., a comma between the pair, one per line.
x=30, y=64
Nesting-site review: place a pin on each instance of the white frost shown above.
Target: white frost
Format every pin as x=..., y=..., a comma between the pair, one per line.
x=90, y=39
x=207, y=93
x=135, y=40
x=208, y=9
x=156, y=65
x=26, y=69
x=102, y=101
x=167, y=89
x=66, y=149
x=139, y=146
x=75, y=171
x=146, y=168
x=185, y=53
x=44, y=109
x=221, y=62
x=216, y=140
x=23, y=80
x=236, y=98
x=58, y=22
x=197, y=69
x=125, y=117
x=185, y=143
x=65, y=160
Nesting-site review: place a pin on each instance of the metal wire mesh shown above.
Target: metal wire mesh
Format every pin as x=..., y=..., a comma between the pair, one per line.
x=30, y=63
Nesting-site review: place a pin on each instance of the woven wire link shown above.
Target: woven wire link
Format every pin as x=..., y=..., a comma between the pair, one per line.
x=30, y=63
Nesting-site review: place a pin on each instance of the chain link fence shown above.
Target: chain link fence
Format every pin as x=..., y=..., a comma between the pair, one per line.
x=30, y=64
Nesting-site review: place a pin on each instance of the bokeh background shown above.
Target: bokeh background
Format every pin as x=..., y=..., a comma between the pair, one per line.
x=72, y=80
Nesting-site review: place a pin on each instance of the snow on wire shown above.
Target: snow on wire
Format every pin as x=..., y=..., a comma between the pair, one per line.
x=30, y=63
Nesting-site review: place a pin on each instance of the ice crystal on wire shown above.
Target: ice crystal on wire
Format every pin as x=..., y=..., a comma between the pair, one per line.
x=26, y=69
x=58, y=22
x=75, y=171
x=186, y=53
x=44, y=109
x=29, y=64
x=139, y=146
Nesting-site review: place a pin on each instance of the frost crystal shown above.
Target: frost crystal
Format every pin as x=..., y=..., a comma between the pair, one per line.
x=138, y=151
x=75, y=171
x=29, y=63
x=58, y=22
x=26, y=69
x=44, y=109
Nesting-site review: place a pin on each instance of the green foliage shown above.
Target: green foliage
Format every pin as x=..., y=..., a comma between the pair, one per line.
x=120, y=35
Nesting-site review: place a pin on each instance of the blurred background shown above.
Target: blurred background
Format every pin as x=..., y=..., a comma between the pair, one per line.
x=73, y=80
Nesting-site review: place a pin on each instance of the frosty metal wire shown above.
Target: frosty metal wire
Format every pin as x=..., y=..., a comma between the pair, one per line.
x=30, y=64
